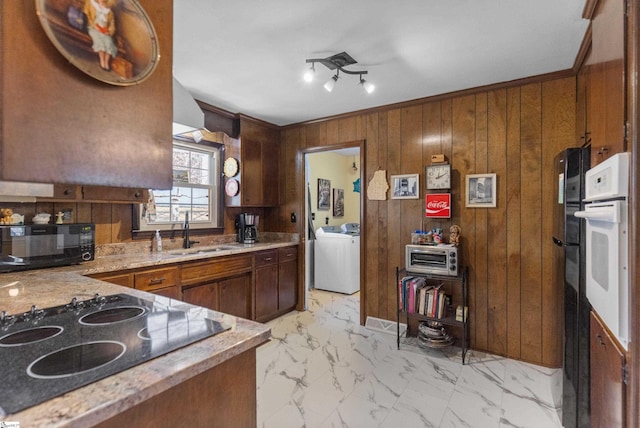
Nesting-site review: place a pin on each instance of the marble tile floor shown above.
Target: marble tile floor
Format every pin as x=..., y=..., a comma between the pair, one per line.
x=323, y=369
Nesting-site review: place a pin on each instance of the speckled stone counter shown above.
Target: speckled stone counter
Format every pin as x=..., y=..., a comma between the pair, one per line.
x=111, y=396
x=143, y=259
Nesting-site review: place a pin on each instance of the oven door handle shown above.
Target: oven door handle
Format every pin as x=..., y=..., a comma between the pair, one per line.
x=608, y=214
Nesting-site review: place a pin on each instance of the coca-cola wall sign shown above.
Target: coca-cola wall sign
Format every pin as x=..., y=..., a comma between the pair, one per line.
x=438, y=205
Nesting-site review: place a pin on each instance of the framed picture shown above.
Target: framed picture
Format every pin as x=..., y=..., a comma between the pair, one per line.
x=338, y=202
x=480, y=191
x=122, y=51
x=324, y=194
x=405, y=186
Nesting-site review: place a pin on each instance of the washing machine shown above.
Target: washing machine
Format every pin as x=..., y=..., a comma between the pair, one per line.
x=337, y=258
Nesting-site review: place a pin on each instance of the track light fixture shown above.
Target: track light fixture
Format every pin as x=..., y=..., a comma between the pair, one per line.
x=337, y=62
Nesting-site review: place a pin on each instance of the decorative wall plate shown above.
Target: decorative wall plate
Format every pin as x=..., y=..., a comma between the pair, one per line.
x=122, y=32
x=230, y=167
x=232, y=187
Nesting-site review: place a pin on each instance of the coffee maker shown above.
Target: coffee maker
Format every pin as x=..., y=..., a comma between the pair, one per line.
x=247, y=226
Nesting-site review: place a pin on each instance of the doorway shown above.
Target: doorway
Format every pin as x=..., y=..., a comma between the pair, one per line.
x=333, y=196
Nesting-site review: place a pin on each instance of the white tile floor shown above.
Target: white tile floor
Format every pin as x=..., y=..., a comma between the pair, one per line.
x=322, y=369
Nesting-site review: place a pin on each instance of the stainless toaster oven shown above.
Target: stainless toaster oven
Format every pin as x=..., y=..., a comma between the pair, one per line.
x=435, y=260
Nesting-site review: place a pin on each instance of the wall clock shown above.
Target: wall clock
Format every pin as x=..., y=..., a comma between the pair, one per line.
x=230, y=167
x=438, y=176
x=231, y=188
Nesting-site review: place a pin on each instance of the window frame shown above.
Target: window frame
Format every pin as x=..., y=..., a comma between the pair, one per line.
x=143, y=229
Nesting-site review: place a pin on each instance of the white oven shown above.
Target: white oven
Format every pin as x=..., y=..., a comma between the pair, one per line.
x=607, y=242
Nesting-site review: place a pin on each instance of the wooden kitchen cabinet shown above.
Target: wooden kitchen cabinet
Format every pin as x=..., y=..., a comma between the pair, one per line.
x=235, y=296
x=114, y=194
x=608, y=387
x=266, y=277
x=222, y=284
x=203, y=295
x=124, y=279
x=259, y=152
x=276, y=286
x=163, y=281
x=287, y=278
x=601, y=83
x=67, y=192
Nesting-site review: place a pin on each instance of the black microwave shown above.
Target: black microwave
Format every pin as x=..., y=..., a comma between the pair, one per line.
x=39, y=246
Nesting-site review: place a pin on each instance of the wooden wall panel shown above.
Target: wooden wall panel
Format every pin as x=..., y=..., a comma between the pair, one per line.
x=395, y=246
x=513, y=184
x=531, y=249
x=463, y=161
x=513, y=131
x=373, y=246
x=558, y=116
x=497, y=232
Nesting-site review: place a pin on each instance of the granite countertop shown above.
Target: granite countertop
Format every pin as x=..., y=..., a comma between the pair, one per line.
x=117, y=262
x=103, y=399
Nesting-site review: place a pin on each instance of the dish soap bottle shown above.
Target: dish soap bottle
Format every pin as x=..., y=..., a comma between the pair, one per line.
x=158, y=242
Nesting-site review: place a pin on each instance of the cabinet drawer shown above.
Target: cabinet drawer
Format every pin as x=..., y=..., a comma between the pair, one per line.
x=215, y=268
x=157, y=278
x=265, y=258
x=287, y=254
x=124, y=279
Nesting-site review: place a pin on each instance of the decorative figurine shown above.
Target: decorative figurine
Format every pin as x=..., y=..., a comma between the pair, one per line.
x=7, y=216
x=59, y=216
x=454, y=235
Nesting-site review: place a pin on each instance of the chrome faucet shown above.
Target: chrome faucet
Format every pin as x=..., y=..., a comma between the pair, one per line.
x=186, y=243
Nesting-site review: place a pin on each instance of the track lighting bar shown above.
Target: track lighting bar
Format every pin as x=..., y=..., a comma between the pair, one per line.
x=337, y=62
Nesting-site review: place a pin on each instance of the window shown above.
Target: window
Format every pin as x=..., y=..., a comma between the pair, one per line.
x=196, y=190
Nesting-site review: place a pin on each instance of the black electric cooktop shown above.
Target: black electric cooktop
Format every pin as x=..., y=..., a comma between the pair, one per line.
x=48, y=352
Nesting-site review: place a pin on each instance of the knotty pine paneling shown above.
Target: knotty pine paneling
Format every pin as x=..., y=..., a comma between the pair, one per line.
x=513, y=131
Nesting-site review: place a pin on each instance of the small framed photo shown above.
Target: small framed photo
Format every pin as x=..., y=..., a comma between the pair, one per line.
x=338, y=202
x=480, y=190
x=405, y=186
x=324, y=194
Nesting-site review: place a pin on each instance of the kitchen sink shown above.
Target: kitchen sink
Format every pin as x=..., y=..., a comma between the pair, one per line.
x=187, y=251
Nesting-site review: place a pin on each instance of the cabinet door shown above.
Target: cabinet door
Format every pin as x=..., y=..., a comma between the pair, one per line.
x=205, y=295
x=114, y=194
x=270, y=174
x=252, y=178
x=235, y=296
x=607, y=383
x=287, y=278
x=173, y=292
x=607, y=80
x=266, y=291
x=124, y=279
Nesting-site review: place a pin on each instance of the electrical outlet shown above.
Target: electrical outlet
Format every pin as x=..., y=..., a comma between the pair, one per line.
x=326, y=221
x=313, y=216
x=293, y=217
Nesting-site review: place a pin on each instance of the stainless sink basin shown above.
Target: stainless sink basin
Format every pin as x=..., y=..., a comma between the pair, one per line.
x=187, y=251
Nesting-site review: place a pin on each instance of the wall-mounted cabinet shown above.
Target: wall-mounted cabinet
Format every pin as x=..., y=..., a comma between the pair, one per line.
x=601, y=91
x=259, y=156
x=70, y=192
x=78, y=129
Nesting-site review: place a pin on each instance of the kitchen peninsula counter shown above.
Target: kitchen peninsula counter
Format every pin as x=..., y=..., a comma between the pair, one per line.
x=210, y=380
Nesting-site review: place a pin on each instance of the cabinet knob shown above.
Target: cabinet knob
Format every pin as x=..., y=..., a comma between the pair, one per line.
x=137, y=195
x=66, y=192
x=603, y=150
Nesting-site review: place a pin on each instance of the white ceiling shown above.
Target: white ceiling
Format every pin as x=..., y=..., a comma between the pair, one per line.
x=248, y=56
